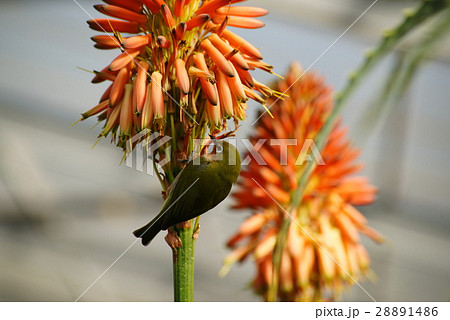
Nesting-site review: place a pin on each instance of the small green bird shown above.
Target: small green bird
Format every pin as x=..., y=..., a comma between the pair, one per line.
x=199, y=187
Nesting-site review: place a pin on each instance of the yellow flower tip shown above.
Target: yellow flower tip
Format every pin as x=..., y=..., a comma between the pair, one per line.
x=387, y=33
x=81, y=119
x=408, y=12
x=268, y=111
x=224, y=270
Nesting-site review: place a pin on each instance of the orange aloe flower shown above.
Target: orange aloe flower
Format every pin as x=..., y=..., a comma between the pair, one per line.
x=179, y=64
x=330, y=224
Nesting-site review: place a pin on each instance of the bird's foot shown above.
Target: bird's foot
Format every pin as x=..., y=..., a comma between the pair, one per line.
x=196, y=232
x=172, y=239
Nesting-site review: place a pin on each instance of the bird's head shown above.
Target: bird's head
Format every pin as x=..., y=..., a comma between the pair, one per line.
x=226, y=153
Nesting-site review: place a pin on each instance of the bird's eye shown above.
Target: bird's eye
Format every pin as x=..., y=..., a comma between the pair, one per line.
x=219, y=148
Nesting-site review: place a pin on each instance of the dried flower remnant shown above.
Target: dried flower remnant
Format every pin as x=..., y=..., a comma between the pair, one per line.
x=331, y=225
x=179, y=68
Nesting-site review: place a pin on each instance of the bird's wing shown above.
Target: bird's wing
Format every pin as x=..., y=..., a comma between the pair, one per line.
x=184, y=194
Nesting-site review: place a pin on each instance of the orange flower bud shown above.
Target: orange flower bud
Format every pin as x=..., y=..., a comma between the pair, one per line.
x=126, y=111
x=347, y=227
x=163, y=42
x=121, y=13
x=246, y=23
x=103, y=75
x=118, y=87
x=209, y=89
x=123, y=59
x=229, y=52
x=180, y=31
x=108, y=25
x=157, y=95
x=197, y=21
x=213, y=114
x=220, y=61
x=132, y=5
x=136, y=41
x=252, y=224
x=266, y=245
x=147, y=110
x=105, y=95
x=167, y=15
x=178, y=10
x=140, y=85
x=95, y=110
x=241, y=44
x=152, y=6
x=211, y=6
x=105, y=42
x=242, y=11
x=236, y=87
x=225, y=95
x=182, y=76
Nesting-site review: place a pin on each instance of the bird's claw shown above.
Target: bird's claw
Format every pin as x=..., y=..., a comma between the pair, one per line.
x=172, y=239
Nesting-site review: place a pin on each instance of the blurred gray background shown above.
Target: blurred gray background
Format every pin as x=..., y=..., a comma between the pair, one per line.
x=67, y=211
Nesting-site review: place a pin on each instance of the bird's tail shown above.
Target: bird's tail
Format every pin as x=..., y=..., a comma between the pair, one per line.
x=149, y=231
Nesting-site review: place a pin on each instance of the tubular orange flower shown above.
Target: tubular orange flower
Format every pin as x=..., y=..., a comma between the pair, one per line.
x=330, y=224
x=184, y=50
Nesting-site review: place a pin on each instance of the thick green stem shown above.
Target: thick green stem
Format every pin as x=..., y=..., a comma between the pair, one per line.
x=183, y=264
